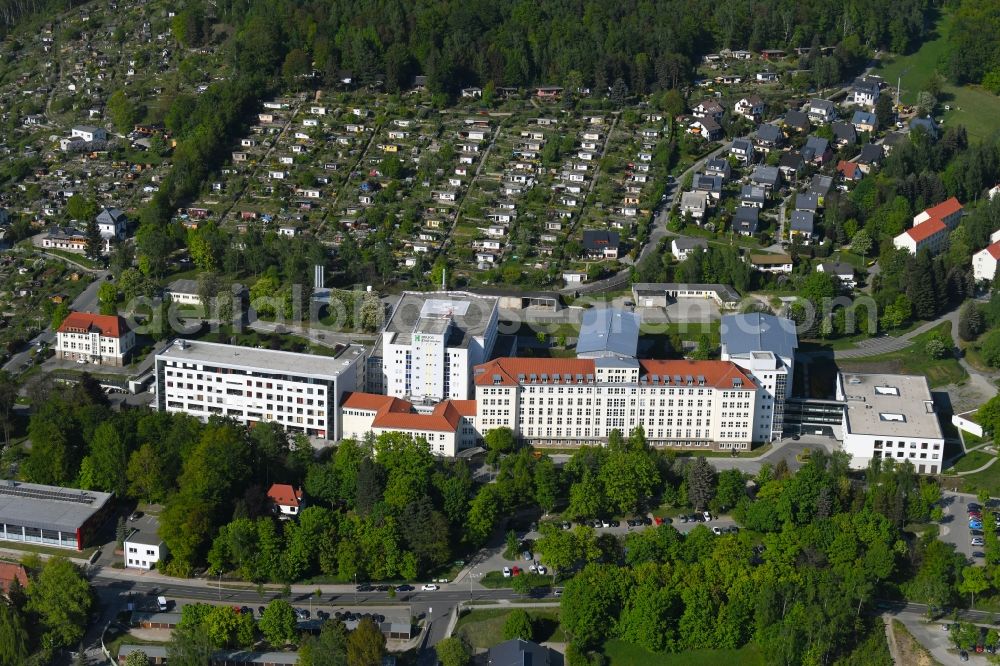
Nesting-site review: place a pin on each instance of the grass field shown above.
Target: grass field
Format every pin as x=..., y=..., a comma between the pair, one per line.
x=971, y=106
x=620, y=653
x=913, y=360
x=971, y=461
x=484, y=628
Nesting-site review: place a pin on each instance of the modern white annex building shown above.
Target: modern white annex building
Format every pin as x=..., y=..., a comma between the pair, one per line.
x=301, y=392
x=430, y=344
x=764, y=346
x=572, y=402
x=890, y=416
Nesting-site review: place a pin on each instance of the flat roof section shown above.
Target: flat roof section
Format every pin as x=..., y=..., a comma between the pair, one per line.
x=48, y=507
x=889, y=405
x=470, y=313
x=250, y=358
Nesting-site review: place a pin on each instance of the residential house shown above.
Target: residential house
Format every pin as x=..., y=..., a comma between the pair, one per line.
x=600, y=244
x=926, y=124
x=772, y=54
x=850, y=171
x=821, y=111
x=821, y=185
x=891, y=140
x=742, y=150
x=768, y=137
x=574, y=277
x=681, y=246
x=771, y=263
x=817, y=150
x=844, y=133
x=143, y=549
x=709, y=108
x=745, y=220
x=768, y=177
x=871, y=157
x=807, y=201
x=766, y=77
x=694, y=204
x=864, y=121
x=753, y=196
x=112, y=223
x=984, y=262
x=719, y=167
x=706, y=128
x=750, y=107
x=10, y=572
x=865, y=91
x=472, y=93
x=791, y=165
x=802, y=225
x=796, y=121
x=842, y=271
x=710, y=184
x=286, y=500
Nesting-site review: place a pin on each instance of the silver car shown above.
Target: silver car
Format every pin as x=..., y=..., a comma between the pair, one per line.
x=976, y=541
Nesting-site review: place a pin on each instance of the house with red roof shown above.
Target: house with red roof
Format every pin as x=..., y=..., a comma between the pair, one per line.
x=9, y=572
x=850, y=171
x=984, y=262
x=286, y=499
x=448, y=427
x=931, y=228
x=92, y=338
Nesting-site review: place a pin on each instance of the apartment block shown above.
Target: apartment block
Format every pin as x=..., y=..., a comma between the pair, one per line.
x=92, y=338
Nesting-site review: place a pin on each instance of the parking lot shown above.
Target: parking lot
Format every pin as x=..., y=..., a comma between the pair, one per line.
x=496, y=561
x=955, y=527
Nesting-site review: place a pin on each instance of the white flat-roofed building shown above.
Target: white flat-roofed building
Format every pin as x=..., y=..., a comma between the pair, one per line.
x=300, y=392
x=890, y=416
x=576, y=402
x=764, y=346
x=430, y=344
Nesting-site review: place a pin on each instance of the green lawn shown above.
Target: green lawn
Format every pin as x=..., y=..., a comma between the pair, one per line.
x=620, y=653
x=914, y=361
x=971, y=106
x=988, y=480
x=971, y=461
x=484, y=628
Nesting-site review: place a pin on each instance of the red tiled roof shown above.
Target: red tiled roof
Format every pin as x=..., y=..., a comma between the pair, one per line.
x=397, y=414
x=82, y=322
x=944, y=209
x=716, y=373
x=9, y=572
x=926, y=229
x=283, y=494
x=994, y=250
x=847, y=169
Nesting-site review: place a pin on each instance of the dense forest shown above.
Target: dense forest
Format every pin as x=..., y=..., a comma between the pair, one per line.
x=527, y=42
x=974, y=44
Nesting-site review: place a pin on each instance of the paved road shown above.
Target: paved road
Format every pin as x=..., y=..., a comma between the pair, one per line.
x=933, y=636
x=85, y=302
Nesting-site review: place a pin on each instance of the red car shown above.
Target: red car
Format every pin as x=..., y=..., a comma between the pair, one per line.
x=515, y=571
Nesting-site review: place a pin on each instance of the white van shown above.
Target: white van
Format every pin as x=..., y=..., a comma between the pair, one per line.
x=161, y=603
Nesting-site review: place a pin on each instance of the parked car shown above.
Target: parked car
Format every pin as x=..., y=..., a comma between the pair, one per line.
x=615, y=523
x=973, y=506
x=404, y=588
x=707, y=515
x=566, y=525
x=429, y=587
x=136, y=515
x=717, y=530
x=542, y=570
x=976, y=524
x=976, y=541
x=526, y=555
x=506, y=572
